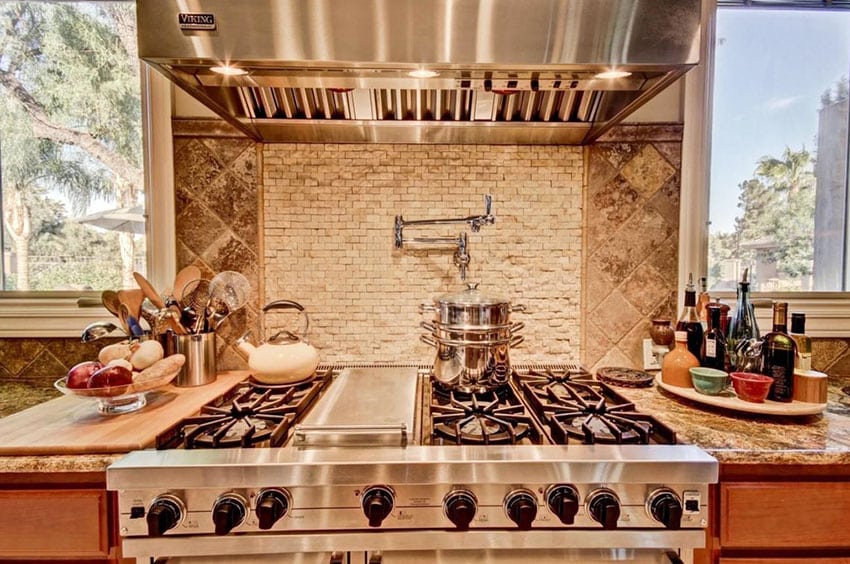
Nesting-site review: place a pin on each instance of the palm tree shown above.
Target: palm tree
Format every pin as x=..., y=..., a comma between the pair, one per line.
x=788, y=174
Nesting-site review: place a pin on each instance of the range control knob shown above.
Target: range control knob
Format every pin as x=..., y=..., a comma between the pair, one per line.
x=521, y=507
x=271, y=505
x=228, y=513
x=460, y=507
x=377, y=503
x=604, y=507
x=165, y=513
x=665, y=507
x=562, y=500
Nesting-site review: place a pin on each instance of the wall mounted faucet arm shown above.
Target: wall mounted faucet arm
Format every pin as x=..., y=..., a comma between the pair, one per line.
x=475, y=222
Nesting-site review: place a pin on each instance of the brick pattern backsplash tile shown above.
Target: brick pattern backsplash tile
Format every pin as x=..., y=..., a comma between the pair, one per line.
x=328, y=237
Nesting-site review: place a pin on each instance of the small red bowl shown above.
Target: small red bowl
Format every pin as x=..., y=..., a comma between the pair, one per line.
x=750, y=386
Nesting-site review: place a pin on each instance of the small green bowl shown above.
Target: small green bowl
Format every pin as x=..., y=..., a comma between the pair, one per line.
x=709, y=381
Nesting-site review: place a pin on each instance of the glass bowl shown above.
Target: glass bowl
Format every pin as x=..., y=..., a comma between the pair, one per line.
x=119, y=399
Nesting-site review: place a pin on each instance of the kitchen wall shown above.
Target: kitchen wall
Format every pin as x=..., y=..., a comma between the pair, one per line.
x=582, y=235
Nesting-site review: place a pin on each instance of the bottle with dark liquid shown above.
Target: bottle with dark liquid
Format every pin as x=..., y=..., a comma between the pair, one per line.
x=778, y=354
x=714, y=341
x=689, y=320
x=742, y=326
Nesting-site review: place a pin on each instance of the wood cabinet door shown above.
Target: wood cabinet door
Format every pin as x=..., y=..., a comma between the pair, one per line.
x=781, y=515
x=53, y=524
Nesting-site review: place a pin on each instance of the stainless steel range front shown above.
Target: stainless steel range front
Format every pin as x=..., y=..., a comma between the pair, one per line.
x=380, y=465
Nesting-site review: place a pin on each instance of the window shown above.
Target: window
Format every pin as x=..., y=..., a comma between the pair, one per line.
x=778, y=181
x=78, y=128
x=828, y=312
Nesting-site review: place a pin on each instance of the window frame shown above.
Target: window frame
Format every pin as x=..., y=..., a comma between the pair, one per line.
x=66, y=314
x=827, y=313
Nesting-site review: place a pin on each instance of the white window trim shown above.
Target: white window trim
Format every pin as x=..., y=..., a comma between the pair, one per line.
x=827, y=313
x=66, y=314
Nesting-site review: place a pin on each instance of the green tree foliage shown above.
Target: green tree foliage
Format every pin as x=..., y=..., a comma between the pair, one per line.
x=69, y=121
x=776, y=220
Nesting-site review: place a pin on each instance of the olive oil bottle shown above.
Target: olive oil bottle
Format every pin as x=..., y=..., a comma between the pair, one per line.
x=779, y=352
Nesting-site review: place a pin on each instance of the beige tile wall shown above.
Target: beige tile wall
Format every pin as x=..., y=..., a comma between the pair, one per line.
x=328, y=241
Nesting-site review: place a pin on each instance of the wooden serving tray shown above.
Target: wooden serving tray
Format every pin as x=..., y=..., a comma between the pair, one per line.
x=728, y=400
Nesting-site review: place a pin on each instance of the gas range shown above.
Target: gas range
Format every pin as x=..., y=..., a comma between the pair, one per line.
x=379, y=464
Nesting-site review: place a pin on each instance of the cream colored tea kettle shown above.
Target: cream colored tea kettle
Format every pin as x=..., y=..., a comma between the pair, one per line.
x=285, y=357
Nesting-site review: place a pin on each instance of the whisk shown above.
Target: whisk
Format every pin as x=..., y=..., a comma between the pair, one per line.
x=229, y=292
x=195, y=299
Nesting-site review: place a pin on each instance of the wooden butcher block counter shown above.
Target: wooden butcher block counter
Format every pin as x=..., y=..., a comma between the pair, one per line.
x=70, y=425
x=53, y=460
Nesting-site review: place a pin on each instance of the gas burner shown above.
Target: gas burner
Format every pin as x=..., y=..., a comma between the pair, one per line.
x=586, y=410
x=568, y=373
x=445, y=394
x=249, y=415
x=480, y=419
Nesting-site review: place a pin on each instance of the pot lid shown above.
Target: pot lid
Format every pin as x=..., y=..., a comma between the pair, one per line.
x=471, y=296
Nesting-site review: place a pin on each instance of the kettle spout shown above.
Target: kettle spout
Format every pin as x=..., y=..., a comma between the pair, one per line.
x=244, y=347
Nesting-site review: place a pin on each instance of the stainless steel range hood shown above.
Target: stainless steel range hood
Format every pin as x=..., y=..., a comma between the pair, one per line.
x=504, y=71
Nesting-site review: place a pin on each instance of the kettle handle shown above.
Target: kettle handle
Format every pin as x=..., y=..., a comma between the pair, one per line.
x=289, y=304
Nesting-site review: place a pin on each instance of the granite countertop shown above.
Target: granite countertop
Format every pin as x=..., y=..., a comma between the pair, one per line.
x=741, y=438
x=732, y=437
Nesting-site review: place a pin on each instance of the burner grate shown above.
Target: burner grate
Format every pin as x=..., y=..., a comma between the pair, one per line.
x=575, y=407
x=480, y=418
x=251, y=414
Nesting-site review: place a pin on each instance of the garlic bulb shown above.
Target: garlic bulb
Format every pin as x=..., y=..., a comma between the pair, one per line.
x=145, y=354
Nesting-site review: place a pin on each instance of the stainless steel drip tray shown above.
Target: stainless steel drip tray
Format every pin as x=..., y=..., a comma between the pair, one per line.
x=363, y=407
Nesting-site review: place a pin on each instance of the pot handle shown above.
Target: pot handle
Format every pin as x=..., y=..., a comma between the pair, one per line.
x=518, y=307
x=424, y=308
x=289, y=304
x=428, y=327
x=516, y=340
x=518, y=326
x=428, y=340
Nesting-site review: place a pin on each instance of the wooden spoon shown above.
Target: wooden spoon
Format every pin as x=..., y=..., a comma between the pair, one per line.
x=183, y=277
x=110, y=300
x=133, y=300
x=149, y=291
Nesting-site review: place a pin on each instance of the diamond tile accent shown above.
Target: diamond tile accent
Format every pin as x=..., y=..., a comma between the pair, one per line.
x=217, y=207
x=647, y=171
x=631, y=244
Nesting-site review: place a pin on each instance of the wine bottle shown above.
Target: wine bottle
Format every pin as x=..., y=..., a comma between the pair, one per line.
x=742, y=326
x=778, y=353
x=804, y=342
x=713, y=353
x=689, y=320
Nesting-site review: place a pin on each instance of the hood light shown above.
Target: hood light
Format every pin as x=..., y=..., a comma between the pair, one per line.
x=423, y=73
x=612, y=74
x=227, y=70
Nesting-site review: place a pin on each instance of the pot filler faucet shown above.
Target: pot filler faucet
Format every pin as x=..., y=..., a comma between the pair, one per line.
x=460, y=243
